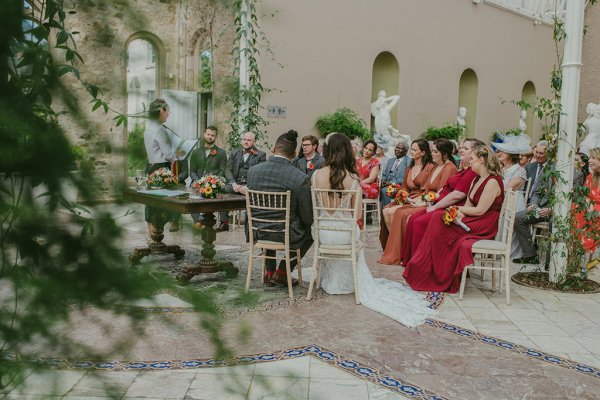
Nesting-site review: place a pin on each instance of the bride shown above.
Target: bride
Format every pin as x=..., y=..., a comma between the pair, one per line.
x=386, y=297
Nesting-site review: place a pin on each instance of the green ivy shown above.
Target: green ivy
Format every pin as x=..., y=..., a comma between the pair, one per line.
x=136, y=151
x=453, y=132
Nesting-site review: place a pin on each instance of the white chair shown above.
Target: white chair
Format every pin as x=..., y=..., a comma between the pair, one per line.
x=325, y=202
x=527, y=189
x=374, y=210
x=539, y=231
x=277, y=204
x=496, y=252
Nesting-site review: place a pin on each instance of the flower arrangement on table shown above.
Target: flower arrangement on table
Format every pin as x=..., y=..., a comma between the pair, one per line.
x=209, y=186
x=162, y=178
x=430, y=197
x=450, y=216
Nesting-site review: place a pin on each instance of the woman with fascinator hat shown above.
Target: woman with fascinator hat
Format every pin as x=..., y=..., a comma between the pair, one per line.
x=513, y=174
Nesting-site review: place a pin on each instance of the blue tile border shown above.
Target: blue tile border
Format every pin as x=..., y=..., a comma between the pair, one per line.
x=517, y=348
x=331, y=358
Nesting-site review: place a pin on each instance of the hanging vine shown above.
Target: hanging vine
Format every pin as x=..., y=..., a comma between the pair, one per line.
x=246, y=99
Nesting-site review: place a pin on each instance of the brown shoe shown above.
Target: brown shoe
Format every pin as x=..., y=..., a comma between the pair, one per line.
x=223, y=227
x=281, y=279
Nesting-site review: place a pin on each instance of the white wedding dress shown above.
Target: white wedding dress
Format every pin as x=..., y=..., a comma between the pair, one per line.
x=386, y=297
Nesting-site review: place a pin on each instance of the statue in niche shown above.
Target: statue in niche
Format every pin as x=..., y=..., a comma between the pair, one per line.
x=460, y=117
x=386, y=135
x=592, y=127
x=522, y=124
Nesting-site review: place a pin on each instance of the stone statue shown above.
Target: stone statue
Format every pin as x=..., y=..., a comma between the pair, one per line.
x=460, y=118
x=522, y=125
x=386, y=135
x=592, y=127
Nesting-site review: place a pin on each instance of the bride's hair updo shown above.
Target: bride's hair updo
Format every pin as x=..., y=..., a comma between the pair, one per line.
x=339, y=157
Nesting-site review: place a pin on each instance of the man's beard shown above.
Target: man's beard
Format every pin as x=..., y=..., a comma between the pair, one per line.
x=206, y=141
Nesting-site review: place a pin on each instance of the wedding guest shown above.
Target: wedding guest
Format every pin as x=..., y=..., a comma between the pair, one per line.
x=446, y=250
x=320, y=146
x=207, y=159
x=159, y=150
x=581, y=169
x=454, y=192
x=417, y=174
x=279, y=175
x=525, y=158
x=443, y=168
x=357, y=146
x=590, y=227
x=537, y=210
x=394, y=171
x=311, y=160
x=368, y=170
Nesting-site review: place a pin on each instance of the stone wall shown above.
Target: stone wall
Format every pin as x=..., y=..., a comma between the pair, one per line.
x=179, y=29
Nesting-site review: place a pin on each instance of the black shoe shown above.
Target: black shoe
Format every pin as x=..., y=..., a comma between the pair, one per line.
x=223, y=227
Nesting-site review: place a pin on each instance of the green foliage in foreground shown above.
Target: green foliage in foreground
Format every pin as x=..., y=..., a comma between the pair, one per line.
x=345, y=121
x=51, y=261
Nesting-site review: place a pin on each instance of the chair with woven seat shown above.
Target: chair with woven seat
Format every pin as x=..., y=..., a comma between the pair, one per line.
x=272, y=211
x=375, y=210
x=496, y=252
x=327, y=207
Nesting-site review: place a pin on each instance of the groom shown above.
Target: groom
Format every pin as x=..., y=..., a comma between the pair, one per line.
x=279, y=175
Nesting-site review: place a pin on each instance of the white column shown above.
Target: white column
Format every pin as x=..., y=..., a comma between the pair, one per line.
x=244, y=61
x=569, y=101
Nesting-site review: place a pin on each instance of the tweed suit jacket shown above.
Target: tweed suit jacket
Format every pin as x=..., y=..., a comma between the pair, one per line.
x=396, y=176
x=531, y=169
x=236, y=159
x=540, y=196
x=279, y=175
x=201, y=164
x=317, y=160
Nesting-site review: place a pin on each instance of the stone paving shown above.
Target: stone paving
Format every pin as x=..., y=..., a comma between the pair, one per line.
x=477, y=348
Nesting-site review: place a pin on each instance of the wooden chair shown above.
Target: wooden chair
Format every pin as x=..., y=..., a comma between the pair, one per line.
x=323, y=206
x=236, y=218
x=527, y=189
x=496, y=252
x=540, y=230
x=375, y=210
x=277, y=206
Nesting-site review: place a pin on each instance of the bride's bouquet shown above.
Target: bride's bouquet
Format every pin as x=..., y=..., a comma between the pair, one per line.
x=209, y=186
x=450, y=215
x=430, y=197
x=162, y=178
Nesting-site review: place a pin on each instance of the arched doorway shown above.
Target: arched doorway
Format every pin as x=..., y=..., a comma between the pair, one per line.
x=467, y=97
x=385, y=76
x=528, y=96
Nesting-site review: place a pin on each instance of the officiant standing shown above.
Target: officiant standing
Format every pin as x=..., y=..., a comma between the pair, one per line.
x=159, y=148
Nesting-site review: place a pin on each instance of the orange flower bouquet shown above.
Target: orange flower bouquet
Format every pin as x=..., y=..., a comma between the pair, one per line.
x=209, y=186
x=162, y=178
x=450, y=215
x=392, y=190
x=430, y=197
x=401, y=197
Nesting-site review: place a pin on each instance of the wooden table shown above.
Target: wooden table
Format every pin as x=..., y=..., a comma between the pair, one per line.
x=224, y=202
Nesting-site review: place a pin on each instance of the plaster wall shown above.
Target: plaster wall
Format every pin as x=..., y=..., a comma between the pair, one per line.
x=324, y=53
x=589, y=91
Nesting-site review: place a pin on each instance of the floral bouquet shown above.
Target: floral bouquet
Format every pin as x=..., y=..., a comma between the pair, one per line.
x=392, y=190
x=450, y=215
x=162, y=178
x=430, y=197
x=401, y=197
x=209, y=186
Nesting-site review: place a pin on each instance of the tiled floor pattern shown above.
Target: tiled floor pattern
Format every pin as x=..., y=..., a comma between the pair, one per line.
x=306, y=378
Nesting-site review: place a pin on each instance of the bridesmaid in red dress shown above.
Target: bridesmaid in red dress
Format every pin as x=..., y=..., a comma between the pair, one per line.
x=445, y=251
x=591, y=228
x=368, y=170
x=454, y=192
x=441, y=152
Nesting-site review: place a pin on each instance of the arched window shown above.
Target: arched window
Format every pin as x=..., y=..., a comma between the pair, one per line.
x=467, y=97
x=142, y=73
x=528, y=96
x=386, y=76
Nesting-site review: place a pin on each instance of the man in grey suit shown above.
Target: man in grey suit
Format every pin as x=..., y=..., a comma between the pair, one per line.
x=208, y=159
x=311, y=160
x=537, y=210
x=394, y=171
x=279, y=175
